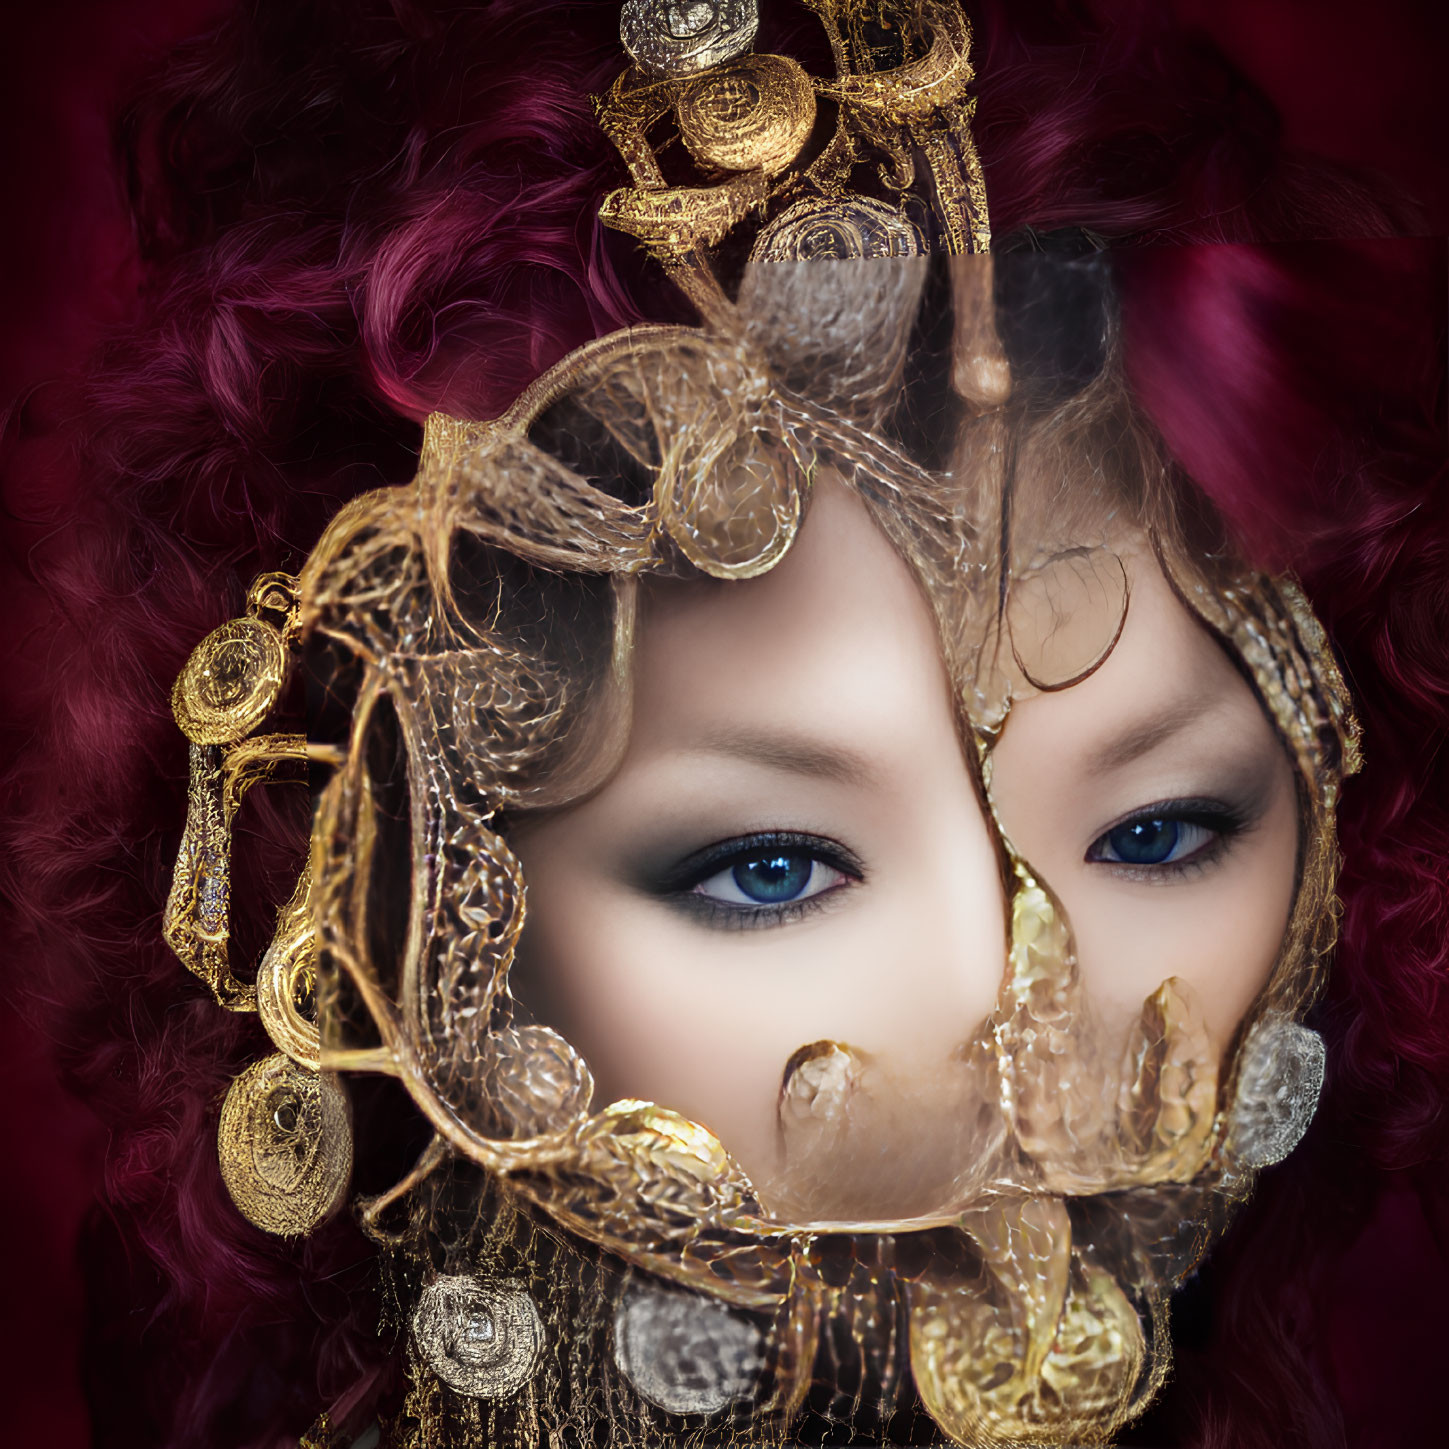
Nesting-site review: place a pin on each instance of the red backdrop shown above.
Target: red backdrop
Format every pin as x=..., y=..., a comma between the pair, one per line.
x=1360, y=84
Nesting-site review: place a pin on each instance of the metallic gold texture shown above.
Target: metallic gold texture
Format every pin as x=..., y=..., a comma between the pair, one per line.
x=1020, y=1329
x=886, y=167
x=609, y=1275
x=285, y=1143
x=749, y=115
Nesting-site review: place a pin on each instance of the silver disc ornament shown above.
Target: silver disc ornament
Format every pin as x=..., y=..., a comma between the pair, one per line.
x=1280, y=1075
x=679, y=38
x=482, y=1338
x=684, y=1353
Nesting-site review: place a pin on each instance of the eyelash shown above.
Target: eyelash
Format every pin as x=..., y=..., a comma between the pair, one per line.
x=1223, y=821
x=681, y=886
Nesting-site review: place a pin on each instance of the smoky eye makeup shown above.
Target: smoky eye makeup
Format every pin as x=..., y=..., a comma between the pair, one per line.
x=766, y=878
x=1172, y=839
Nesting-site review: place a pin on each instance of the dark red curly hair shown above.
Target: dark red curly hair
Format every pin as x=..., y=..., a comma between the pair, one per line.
x=350, y=212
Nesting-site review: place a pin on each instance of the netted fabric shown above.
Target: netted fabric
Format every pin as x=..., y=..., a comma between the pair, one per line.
x=485, y=617
x=620, y=1359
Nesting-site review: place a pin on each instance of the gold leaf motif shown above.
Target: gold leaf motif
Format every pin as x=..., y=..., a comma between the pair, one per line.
x=1043, y=1348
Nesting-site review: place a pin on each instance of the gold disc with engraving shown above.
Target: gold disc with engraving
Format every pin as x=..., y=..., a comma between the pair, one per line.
x=230, y=683
x=285, y=1144
x=838, y=231
x=751, y=115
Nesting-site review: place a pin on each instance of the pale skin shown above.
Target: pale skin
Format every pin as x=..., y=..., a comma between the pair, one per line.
x=797, y=730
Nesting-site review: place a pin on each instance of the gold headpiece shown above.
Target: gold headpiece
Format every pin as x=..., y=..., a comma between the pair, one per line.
x=611, y=1276
x=874, y=161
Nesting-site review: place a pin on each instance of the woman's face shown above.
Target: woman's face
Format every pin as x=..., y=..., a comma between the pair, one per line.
x=794, y=852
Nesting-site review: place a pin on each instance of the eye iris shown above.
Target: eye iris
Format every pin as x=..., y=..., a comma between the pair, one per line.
x=1144, y=842
x=770, y=878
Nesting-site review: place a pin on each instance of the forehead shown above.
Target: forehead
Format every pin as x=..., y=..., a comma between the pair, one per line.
x=840, y=623
x=838, y=640
x=1167, y=680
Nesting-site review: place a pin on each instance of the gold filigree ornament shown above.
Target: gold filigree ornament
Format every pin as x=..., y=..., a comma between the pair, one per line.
x=887, y=167
x=285, y=1143
x=228, y=687
x=645, y=1252
x=1024, y=1327
x=284, y=1138
x=609, y=1274
x=234, y=676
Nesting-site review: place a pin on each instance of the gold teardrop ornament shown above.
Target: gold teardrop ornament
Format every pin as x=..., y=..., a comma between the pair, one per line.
x=285, y=1144
x=735, y=513
x=287, y=981
x=230, y=683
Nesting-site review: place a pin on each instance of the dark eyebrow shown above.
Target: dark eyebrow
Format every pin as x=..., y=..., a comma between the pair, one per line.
x=1142, y=738
x=791, y=754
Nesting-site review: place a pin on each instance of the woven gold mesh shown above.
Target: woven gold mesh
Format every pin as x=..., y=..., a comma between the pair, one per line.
x=571, y=1275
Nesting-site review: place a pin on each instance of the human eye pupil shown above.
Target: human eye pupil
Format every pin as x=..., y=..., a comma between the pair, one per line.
x=1144, y=842
x=772, y=878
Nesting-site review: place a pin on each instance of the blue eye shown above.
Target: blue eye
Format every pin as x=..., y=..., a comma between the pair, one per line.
x=772, y=878
x=1145, y=842
x=1158, y=838
x=760, y=880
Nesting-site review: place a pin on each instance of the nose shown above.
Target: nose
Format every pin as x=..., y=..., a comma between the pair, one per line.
x=946, y=920
x=899, y=1119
